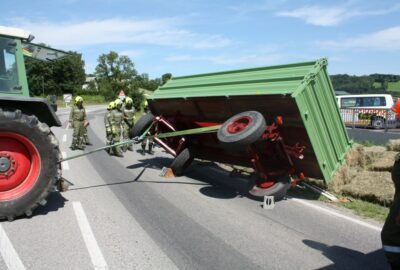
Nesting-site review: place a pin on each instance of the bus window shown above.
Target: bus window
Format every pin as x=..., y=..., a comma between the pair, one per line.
x=348, y=102
x=374, y=101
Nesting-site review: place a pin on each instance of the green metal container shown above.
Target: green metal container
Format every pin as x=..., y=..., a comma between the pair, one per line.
x=301, y=93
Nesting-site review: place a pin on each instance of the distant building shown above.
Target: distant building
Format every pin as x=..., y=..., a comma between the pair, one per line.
x=89, y=79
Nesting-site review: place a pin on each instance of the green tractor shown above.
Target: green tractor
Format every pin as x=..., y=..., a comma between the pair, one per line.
x=29, y=152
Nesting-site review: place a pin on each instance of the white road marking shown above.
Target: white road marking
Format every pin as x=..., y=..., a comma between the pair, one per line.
x=90, y=241
x=333, y=213
x=65, y=165
x=8, y=252
x=64, y=139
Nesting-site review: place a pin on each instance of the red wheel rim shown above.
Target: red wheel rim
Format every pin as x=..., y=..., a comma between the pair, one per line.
x=266, y=185
x=239, y=124
x=21, y=166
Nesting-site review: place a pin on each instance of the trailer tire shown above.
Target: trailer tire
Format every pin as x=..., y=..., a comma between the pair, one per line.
x=278, y=190
x=142, y=124
x=29, y=163
x=243, y=128
x=182, y=161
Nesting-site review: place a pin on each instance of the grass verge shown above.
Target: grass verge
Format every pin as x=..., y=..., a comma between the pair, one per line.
x=357, y=206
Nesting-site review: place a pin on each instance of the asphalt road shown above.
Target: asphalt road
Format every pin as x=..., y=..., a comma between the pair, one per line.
x=120, y=214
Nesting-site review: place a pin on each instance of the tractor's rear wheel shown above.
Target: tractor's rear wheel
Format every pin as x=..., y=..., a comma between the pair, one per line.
x=29, y=163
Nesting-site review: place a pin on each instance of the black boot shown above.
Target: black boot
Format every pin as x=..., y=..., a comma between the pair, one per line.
x=150, y=151
x=73, y=144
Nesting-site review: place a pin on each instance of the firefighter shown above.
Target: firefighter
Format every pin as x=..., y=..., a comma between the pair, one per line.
x=129, y=120
x=77, y=121
x=149, y=142
x=107, y=123
x=116, y=119
x=391, y=229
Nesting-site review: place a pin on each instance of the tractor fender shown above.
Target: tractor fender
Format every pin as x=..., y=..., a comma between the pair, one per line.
x=38, y=107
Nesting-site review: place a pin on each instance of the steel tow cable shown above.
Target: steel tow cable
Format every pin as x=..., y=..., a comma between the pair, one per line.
x=143, y=137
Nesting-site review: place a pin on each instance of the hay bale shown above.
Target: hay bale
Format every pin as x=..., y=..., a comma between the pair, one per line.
x=365, y=174
x=384, y=162
x=393, y=145
x=342, y=177
x=356, y=156
x=371, y=186
x=374, y=149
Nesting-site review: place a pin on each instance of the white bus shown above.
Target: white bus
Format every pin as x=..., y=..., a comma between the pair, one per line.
x=367, y=110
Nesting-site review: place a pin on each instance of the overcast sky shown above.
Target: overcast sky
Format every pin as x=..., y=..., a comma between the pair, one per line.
x=187, y=37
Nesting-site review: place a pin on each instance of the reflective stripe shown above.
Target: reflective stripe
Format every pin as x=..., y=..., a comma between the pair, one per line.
x=392, y=249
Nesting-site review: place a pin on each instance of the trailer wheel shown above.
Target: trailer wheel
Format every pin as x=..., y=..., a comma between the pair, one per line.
x=29, y=163
x=142, y=124
x=182, y=161
x=277, y=189
x=243, y=128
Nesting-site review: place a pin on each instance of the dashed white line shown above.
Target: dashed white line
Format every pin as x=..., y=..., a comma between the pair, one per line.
x=91, y=244
x=65, y=165
x=330, y=212
x=64, y=139
x=8, y=252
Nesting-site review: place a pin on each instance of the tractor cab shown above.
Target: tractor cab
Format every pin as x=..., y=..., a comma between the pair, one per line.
x=15, y=44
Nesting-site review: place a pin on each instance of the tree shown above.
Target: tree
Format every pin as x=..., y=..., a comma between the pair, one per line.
x=114, y=73
x=69, y=73
x=165, y=77
x=65, y=75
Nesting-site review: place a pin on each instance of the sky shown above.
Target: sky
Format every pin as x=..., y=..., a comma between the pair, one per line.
x=186, y=37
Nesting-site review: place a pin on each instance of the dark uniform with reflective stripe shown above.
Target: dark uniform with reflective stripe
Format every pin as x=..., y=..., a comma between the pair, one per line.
x=391, y=230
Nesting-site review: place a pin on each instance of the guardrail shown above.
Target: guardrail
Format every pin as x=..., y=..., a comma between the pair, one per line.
x=369, y=117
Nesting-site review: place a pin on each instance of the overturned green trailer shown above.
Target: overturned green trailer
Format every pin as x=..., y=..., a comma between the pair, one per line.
x=281, y=120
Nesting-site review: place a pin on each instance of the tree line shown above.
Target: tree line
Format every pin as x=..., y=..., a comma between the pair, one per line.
x=374, y=83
